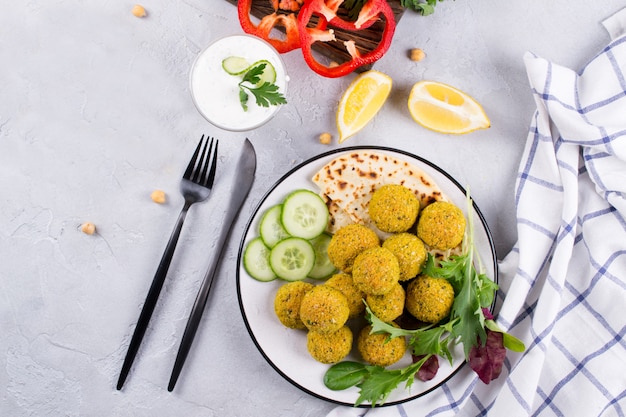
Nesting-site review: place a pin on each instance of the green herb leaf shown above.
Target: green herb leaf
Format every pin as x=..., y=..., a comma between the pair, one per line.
x=377, y=386
x=424, y=8
x=243, y=99
x=253, y=75
x=265, y=93
x=433, y=341
x=354, y=8
x=344, y=375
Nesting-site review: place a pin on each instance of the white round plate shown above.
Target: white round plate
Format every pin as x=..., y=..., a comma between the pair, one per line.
x=285, y=349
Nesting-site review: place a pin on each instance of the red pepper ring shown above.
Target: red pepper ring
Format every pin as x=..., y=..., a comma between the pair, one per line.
x=325, y=9
x=269, y=22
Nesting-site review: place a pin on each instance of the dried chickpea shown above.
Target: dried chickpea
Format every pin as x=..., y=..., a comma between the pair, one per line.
x=158, y=196
x=325, y=138
x=416, y=54
x=139, y=11
x=88, y=228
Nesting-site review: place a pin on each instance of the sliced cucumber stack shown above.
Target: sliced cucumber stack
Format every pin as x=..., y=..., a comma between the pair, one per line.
x=292, y=243
x=304, y=214
x=292, y=259
x=256, y=261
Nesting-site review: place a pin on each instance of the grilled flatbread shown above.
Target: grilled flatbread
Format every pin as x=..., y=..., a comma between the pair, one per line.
x=348, y=182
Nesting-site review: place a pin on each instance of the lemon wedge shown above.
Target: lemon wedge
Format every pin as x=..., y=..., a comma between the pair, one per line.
x=445, y=109
x=363, y=98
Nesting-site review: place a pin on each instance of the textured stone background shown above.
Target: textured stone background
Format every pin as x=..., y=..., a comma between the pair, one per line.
x=95, y=113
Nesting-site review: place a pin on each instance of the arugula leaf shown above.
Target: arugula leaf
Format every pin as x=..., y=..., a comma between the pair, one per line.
x=433, y=341
x=379, y=384
x=467, y=308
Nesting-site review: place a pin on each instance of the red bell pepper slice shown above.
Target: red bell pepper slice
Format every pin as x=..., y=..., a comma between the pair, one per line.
x=325, y=11
x=284, y=16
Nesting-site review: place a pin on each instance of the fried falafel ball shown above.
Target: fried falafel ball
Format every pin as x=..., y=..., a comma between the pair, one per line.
x=375, y=349
x=410, y=251
x=376, y=271
x=324, y=309
x=429, y=299
x=387, y=307
x=441, y=225
x=393, y=208
x=287, y=303
x=330, y=347
x=348, y=242
x=344, y=283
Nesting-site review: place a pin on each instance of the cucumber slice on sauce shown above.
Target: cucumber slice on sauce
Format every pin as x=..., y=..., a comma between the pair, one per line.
x=292, y=259
x=256, y=261
x=235, y=65
x=323, y=267
x=270, y=228
x=304, y=214
x=269, y=72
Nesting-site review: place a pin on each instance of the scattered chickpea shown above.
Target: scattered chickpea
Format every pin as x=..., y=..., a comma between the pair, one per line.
x=158, y=196
x=325, y=138
x=333, y=64
x=139, y=11
x=88, y=228
x=416, y=54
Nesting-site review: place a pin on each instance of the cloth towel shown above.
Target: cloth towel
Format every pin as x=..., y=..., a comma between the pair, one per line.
x=563, y=286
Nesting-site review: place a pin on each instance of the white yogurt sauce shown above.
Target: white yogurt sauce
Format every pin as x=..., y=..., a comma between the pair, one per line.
x=216, y=93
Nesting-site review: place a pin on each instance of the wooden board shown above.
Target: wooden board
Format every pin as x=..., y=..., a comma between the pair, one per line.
x=366, y=40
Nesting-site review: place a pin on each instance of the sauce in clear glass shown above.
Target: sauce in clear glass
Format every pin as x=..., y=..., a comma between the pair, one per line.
x=216, y=93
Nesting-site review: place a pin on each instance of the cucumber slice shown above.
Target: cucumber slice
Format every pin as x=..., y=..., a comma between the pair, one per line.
x=323, y=268
x=269, y=72
x=256, y=261
x=292, y=259
x=304, y=214
x=270, y=228
x=235, y=65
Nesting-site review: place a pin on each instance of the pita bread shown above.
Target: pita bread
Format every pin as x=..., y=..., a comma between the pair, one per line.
x=348, y=182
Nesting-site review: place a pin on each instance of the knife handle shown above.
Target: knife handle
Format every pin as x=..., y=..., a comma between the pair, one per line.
x=197, y=310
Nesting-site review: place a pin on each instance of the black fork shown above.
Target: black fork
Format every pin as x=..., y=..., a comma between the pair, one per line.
x=195, y=186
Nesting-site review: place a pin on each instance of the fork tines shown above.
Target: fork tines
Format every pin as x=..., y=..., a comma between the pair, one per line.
x=197, y=169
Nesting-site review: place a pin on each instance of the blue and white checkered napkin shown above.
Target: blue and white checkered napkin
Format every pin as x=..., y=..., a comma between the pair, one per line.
x=565, y=281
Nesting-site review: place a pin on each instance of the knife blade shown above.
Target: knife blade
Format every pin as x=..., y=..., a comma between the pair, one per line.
x=246, y=167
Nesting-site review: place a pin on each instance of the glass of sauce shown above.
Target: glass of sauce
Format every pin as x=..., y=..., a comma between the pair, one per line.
x=215, y=92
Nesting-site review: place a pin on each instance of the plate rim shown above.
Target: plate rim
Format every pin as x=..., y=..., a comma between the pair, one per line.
x=253, y=216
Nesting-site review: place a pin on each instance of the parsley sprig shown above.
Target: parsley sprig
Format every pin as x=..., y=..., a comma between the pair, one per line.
x=265, y=93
